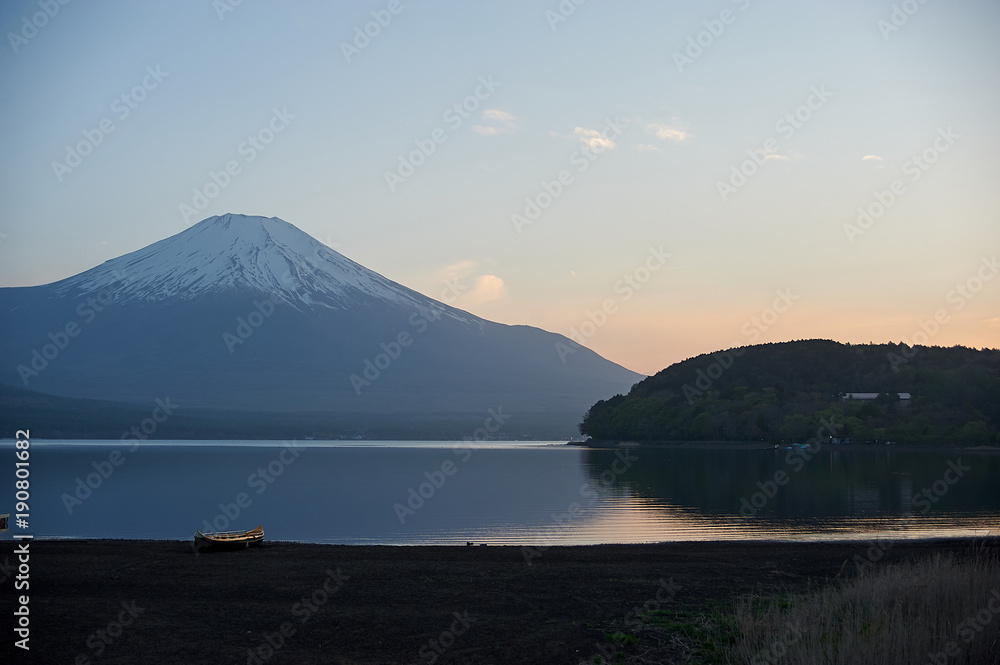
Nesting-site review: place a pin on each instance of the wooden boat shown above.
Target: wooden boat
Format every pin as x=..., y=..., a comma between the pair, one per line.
x=228, y=540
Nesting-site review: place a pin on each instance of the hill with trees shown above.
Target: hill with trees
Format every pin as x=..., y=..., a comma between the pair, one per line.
x=785, y=392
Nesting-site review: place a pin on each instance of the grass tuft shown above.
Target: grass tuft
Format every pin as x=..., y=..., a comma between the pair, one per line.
x=933, y=611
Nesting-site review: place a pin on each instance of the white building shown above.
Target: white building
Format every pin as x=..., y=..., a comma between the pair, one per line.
x=904, y=398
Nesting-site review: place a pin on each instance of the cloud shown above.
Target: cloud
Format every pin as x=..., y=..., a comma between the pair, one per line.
x=497, y=114
x=871, y=158
x=461, y=286
x=593, y=139
x=672, y=132
x=496, y=122
x=791, y=156
x=459, y=270
x=646, y=147
x=487, y=288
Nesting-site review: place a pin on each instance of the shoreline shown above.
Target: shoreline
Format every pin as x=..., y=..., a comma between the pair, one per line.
x=750, y=445
x=843, y=542
x=596, y=445
x=352, y=604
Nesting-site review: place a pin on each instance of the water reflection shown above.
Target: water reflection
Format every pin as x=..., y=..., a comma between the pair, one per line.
x=742, y=494
x=505, y=493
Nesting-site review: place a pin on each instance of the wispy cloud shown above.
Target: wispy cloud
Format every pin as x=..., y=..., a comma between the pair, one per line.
x=455, y=271
x=646, y=147
x=871, y=158
x=495, y=122
x=791, y=156
x=497, y=114
x=593, y=139
x=675, y=131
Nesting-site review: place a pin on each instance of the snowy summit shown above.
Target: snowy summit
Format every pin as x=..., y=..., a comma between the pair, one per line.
x=240, y=252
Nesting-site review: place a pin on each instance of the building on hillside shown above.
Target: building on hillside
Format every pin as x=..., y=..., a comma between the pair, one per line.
x=904, y=398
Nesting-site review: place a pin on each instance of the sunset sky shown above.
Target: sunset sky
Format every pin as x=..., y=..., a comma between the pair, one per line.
x=663, y=178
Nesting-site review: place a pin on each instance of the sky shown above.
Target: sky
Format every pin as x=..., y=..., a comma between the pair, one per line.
x=656, y=179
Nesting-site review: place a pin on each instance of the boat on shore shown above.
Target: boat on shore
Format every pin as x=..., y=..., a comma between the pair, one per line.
x=228, y=540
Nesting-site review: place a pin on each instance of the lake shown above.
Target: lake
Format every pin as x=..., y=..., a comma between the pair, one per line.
x=421, y=493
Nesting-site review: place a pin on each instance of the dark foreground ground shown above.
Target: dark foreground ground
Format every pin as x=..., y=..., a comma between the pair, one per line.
x=105, y=602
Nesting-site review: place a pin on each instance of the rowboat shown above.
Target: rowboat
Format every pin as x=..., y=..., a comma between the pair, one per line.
x=228, y=540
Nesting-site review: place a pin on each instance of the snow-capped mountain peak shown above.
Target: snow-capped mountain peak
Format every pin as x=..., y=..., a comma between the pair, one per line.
x=239, y=252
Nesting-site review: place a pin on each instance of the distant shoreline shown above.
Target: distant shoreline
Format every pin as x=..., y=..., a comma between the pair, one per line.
x=592, y=444
x=752, y=445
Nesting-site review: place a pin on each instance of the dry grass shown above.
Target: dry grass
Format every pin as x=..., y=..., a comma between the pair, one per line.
x=934, y=611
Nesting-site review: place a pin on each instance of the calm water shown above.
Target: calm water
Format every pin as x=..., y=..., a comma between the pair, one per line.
x=502, y=493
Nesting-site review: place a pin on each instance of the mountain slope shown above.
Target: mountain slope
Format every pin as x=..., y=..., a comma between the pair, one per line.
x=53, y=417
x=242, y=312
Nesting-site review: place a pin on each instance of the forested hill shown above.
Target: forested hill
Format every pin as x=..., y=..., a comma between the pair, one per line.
x=783, y=392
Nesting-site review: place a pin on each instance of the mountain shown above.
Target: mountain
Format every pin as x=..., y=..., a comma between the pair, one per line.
x=53, y=417
x=787, y=391
x=250, y=313
x=237, y=253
